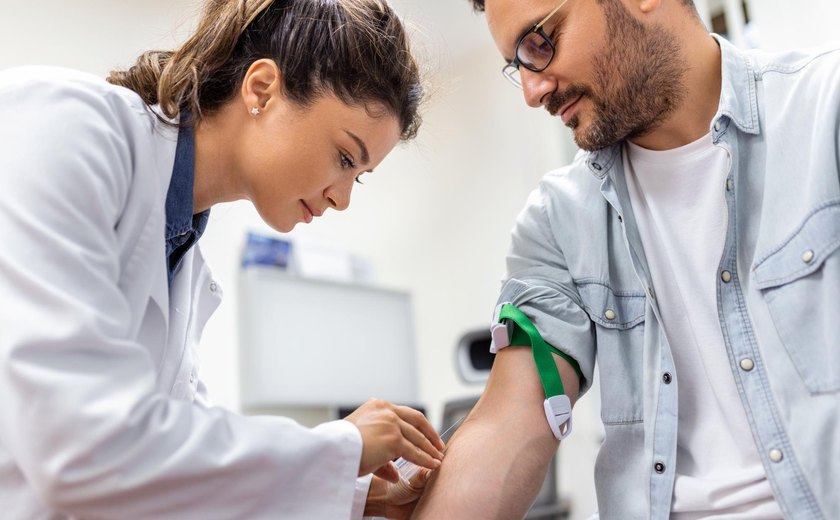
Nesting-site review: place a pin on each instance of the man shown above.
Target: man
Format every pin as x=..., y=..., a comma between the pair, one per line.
x=691, y=250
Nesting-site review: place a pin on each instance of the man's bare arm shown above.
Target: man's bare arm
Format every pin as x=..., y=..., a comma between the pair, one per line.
x=497, y=460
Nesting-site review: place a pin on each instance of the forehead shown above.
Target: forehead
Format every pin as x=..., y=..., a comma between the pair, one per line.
x=508, y=19
x=377, y=127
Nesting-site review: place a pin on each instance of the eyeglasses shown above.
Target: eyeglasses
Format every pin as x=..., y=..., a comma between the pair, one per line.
x=534, y=50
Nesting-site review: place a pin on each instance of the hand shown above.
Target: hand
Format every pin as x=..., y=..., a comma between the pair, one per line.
x=395, y=500
x=390, y=431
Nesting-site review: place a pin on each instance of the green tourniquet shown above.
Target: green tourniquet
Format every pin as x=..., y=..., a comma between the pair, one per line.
x=526, y=334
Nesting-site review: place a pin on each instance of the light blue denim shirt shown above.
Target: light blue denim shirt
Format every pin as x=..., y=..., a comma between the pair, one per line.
x=576, y=253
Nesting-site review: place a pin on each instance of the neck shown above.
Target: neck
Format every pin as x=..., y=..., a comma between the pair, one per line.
x=691, y=119
x=215, y=180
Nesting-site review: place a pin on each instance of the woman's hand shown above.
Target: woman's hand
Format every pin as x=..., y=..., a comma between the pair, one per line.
x=395, y=500
x=390, y=431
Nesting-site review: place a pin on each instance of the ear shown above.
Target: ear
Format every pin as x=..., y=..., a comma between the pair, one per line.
x=649, y=6
x=262, y=82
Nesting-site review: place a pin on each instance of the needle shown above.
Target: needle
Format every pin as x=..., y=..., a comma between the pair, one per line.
x=409, y=469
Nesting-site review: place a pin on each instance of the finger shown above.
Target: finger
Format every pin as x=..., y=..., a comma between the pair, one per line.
x=415, y=437
x=419, y=421
x=412, y=453
x=388, y=472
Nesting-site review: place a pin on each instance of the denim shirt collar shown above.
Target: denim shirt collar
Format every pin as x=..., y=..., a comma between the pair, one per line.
x=183, y=228
x=738, y=103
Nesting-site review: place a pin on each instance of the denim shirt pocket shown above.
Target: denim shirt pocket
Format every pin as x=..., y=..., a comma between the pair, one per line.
x=800, y=282
x=618, y=319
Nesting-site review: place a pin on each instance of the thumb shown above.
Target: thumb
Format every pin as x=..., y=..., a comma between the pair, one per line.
x=419, y=480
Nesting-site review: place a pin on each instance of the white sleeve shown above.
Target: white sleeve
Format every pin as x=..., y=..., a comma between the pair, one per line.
x=360, y=498
x=79, y=415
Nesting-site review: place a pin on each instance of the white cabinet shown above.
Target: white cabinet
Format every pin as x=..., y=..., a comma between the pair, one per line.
x=314, y=343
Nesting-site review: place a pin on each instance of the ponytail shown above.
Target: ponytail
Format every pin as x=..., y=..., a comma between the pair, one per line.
x=356, y=50
x=172, y=79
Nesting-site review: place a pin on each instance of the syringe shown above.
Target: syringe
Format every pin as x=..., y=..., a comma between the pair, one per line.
x=408, y=469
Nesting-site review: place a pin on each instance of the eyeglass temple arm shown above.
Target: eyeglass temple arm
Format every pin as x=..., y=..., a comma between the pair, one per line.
x=542, y=22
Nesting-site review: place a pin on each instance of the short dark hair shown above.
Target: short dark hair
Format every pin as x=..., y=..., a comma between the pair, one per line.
x=478, y=5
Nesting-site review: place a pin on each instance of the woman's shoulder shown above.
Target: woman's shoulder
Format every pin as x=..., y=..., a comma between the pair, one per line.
x=40, y=91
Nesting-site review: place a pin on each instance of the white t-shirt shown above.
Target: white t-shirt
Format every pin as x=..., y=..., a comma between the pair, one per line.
x=678, y=199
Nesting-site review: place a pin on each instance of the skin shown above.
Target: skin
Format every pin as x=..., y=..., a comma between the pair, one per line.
x=498, y=459
x=287, y=157
x=669, y=50
x=293, y=163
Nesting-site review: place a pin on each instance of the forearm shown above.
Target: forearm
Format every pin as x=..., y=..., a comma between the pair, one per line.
x=492, y=470
x=498, y=459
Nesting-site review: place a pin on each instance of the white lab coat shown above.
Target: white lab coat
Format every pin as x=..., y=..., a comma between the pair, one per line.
x=102, y=414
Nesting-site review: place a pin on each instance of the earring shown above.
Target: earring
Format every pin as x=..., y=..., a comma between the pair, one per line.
x=255, y=111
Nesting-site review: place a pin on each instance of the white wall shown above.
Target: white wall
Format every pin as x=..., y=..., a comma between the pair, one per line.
x=91, y=35
x=804, y=23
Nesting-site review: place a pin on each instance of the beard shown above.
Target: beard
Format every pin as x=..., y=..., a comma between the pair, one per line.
x=639, y=81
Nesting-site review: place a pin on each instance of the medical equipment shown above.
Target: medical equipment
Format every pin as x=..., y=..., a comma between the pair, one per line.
x=408, y=469
x=557, y=406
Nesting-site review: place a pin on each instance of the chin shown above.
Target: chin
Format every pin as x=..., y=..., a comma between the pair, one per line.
x=277, y=221
x=285, y=228
x=282, y=226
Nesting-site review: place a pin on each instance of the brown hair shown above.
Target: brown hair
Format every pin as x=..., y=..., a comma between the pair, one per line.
x=357, y=50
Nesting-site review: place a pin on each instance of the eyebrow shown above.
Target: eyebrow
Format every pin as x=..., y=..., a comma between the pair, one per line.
x=362, y=147
x=537, y=21
x=521, y=33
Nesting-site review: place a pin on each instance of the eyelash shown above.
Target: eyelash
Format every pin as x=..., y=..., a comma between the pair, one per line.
x=347, y=162
x=555, y=34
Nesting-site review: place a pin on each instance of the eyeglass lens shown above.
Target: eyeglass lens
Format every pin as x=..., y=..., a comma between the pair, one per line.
x=534, y=51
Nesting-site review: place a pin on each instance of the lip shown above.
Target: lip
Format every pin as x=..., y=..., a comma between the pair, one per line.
x=566, y=111
x=308, y=215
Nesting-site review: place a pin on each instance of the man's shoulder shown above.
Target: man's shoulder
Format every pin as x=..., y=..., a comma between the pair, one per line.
x=822, y=60
x=571, y=192
x=575, y=180
x=799, y=82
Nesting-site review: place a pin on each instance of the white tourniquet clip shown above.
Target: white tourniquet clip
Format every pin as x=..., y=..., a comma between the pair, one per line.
x=557, y=407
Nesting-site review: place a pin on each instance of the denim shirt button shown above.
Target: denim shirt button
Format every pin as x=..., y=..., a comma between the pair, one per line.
x=717, y=125
x=666, y=378
x=597, y=166
x=808, y=256
x=659, y=468
x=609, y=314
x=747, y=364
x=776, y=455
x=726, y=276
x=730, y=184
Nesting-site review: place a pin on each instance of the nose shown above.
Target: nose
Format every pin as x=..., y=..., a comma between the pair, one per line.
x=536, y=86
x=338, y=195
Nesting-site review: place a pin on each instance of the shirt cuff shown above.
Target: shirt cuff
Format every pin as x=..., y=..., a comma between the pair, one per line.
x=360, y=497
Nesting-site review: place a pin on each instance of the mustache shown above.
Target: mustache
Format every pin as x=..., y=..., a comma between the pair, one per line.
x=558, y=99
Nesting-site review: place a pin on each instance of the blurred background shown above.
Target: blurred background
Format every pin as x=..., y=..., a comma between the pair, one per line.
x=377, y=301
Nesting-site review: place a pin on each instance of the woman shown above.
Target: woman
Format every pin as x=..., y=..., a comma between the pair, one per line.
x=106, y=188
